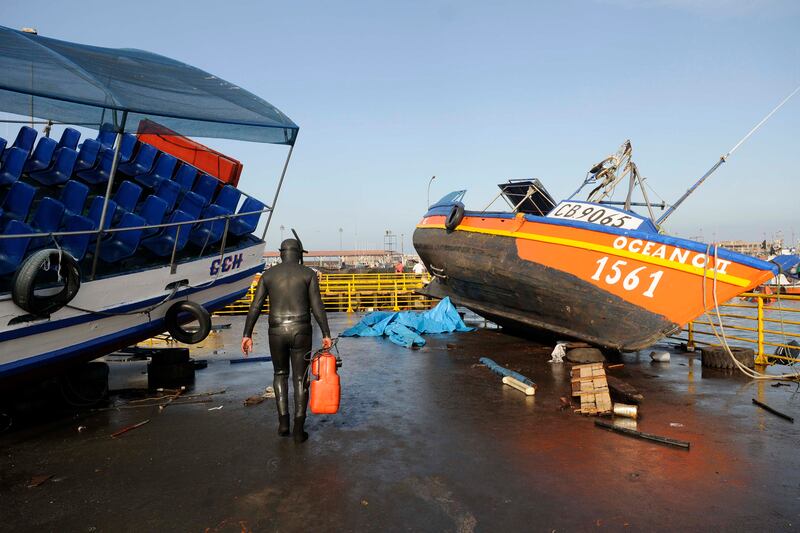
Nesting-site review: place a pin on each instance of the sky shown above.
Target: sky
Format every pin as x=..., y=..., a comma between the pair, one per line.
x=388, y=94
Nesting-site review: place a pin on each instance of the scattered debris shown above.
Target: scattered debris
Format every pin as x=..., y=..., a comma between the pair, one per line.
x=255, y=400
x=129, y=428
x=38, y=480
x=640, y=435
x=623, y=392
x=625, y=410
x=249, y=360
x=81, y=429
x=660, y=356
x=675, y=425
x=557, y=356
x=618, y=365
x=517, y=384
x=773, y=411
x=589, y=382
x=217, y=408
x=503, y=371
x=781, y=384
x=565, y=403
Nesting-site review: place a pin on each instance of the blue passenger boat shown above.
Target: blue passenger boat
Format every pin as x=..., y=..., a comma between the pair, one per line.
x=106, y=240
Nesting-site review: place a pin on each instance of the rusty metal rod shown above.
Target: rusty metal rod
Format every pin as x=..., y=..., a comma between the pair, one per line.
x=773, y=411
x=640, y=435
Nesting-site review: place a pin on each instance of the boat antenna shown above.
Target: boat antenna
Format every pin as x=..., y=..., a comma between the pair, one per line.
x=723, y=159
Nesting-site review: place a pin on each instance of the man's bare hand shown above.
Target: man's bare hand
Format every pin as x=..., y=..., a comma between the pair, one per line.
x=247, y=345
x=327, y=343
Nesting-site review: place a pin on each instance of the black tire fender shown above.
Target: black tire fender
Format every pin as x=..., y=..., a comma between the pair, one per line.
x=23, y=286
x=454, y=217
x=196, y=312
x=718, y=357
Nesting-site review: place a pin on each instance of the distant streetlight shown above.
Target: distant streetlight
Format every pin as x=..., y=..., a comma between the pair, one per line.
x=341, y=247
x=282, y=229
x=429, y=190
x=402, y=244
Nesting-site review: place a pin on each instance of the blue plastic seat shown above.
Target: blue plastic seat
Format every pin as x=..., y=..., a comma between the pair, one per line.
x=228, y=198
x=209, y=232
x=96, y=211
x=185, y=176
x=122, y=244
x=192, y=204
x=106, y=136
x=162, y=170
x=142, y=163
x=152, y=211
x=205, y=186
x=26, y=137
x=76, y=245
x=46, y=219
x=168, y=191
x=101, y=171
x=87, y=156
x=126, y=150
x=73, y=196
x=13, y=250
x=11, y=169
x=126, y=197
x=69, y=139
x=163, y=243
x=42, y=155
x=17, y=203
x=247, y=223
x=59, y=170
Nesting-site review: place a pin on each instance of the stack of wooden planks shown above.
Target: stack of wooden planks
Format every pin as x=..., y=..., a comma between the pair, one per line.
x=590, y=384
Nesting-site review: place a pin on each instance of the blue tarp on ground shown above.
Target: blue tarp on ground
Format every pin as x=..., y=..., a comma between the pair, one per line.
x=405, y=327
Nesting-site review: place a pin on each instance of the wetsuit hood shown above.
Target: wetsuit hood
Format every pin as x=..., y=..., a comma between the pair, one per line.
x=291, y=251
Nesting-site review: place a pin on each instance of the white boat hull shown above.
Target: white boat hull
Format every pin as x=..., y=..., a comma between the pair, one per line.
x=120, y=314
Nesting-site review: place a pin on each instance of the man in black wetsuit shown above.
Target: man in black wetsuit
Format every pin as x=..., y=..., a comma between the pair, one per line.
x=292, y=289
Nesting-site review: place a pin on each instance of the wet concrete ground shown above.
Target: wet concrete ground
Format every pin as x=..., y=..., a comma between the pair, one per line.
x=426, y=440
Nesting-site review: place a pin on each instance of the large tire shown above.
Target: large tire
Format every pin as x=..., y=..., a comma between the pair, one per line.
x=197, y=312
x=717, y=357
x=454, y=217
x=23, y=286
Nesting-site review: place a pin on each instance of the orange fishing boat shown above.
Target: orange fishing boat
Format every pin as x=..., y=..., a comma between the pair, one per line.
x=578, y=269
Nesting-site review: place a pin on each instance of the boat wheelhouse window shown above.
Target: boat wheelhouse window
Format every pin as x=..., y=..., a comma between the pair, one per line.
x=527, y=196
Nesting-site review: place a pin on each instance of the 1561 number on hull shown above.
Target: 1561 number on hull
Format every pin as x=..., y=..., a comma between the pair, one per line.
x=630, y=278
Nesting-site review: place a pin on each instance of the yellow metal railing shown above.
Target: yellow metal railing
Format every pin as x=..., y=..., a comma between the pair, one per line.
x=357, y=292
x=764, y=322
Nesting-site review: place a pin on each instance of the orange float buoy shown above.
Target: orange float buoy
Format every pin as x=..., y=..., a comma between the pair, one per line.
x=325, y=389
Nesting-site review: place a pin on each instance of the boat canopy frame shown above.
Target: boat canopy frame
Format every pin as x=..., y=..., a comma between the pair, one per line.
x=76, y=84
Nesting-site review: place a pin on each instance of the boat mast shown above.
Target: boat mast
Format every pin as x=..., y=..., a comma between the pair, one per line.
x=723, y=159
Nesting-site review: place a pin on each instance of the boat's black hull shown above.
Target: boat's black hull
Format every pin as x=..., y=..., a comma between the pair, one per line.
x=485, y=274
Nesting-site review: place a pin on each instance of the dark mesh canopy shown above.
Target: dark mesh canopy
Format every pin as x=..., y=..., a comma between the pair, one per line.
x=89, y=86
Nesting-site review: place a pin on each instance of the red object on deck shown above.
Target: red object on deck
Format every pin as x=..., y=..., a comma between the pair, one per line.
x=217, y=164
x=326, y=389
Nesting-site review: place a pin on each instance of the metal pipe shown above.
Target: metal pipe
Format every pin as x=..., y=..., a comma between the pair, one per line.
x=111, y=177
x=278, y=190
x=172, y=268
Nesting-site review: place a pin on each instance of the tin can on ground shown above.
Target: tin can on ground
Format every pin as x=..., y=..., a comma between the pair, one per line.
x=628, y=411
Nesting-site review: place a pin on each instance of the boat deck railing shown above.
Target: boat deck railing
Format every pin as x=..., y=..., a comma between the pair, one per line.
x=357, y=292
x=180, y=226
x=765, y=322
